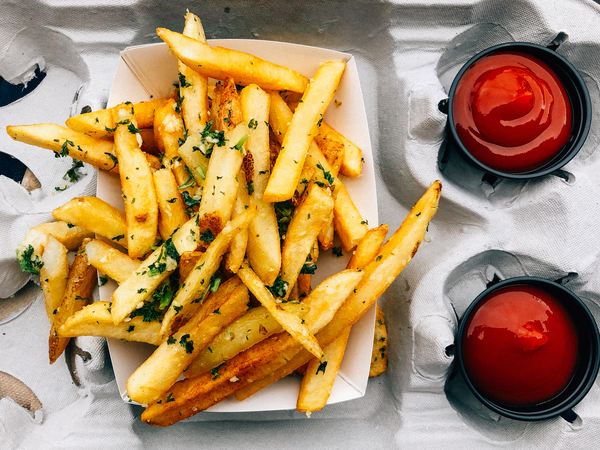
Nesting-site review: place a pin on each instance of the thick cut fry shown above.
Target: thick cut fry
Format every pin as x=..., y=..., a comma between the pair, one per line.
x=110, y=261
x=172, y=212
x=194, y=157
x=187, y=263
x=333, y=149
x=378, y=275
x=54, y=274
x=302, y=232
x=352, y=227
x=193, y=87
x=379, y=355
x=139, y=196
x=237, y=249
x=64, y=141
x=95, y=215
x=82, y=278
x=187, y=397
x=301, y=131
x=351, y=164
x=288, y=321
x=229, y=112
x=171, y=358
x=136, y=289
x=96, y=320
x=320, y=375
x=101, y=123
x=221, y=184
x=368, y=248
x=221, y=63
x=200, y=281
x=168, y=133
x=254, y=326
x=263, y=251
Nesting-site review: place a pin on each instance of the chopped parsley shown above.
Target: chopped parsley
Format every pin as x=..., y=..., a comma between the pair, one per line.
x=103, y=280
x=337, y=251
x=326, y=173
x=182, y=82
x=118, y=238
x=279, y=288
x=114, y=160
x=148, y=312
x=215, y=371
x=250, y=186
x=189, y=202
x=172, y=200
x=284, y=212
x=130, y=329
x=29, y=261
x=184, y=342
x=201, y=172
x=309, y=266
x=252, y=124
x=171, y=340
x=73, y=173
x=170, y=397
x=207, y=236
x=64, y=150
x=132, y=129
x=378, y=258
x=110, y=130
x=240, y=145
x=322, y=368
x=177, y=309
x=188, y=183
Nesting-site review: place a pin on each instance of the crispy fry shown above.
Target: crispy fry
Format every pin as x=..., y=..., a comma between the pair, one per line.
x=172, y=357
x=368, y=248
x=221, y=63
x=221, y=184
x=194, y=157
x=379, y=355
x=187, y=263
x=301, y=131
x=95, y=215
x=288, y=321
x=110, y=261
x=302, y=232
x=254, y=326
x=263, y=251
x=82, y=278
x=64, y=141
x=141, y=207
x=188, y=397
x=96, y=320
x=193, y=87
x=101, y=123
x=320, y=375
x=229, y=109
x=136, y=289
x=237, y=249
x=172, y=212
x=54, y=274
x=200, y=281
x=351, y=164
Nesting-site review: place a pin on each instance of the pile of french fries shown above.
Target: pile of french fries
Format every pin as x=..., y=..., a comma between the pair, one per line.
x=230, y=191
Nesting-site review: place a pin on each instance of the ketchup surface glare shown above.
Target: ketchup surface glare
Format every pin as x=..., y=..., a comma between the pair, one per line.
x=512, y=112
x=520, y=346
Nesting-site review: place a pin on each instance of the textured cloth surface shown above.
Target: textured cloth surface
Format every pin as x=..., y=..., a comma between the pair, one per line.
x=407, y=53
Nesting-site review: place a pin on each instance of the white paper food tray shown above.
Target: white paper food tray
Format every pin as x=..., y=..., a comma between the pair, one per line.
x=149, y=71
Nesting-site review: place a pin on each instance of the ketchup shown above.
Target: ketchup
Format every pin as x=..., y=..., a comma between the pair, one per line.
x=520, y=346
x=511, y=112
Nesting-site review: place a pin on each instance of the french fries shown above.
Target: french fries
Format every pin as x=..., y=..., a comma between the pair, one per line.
x=301, y=131
x=78, y=292
x=379, y=354
x=96, y=216
x=110, y=261
x=54, y=274
x=139, y=196
x=170, y=205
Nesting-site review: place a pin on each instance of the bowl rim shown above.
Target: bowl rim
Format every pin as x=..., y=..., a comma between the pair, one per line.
x=593, y=362
x=578, y=83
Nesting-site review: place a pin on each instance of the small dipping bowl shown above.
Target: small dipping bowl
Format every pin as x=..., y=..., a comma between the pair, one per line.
x=533, y=90
x=528, y=349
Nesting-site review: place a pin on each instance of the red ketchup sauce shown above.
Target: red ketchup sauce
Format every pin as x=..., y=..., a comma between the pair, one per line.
x=520, y=346
x=511, y=112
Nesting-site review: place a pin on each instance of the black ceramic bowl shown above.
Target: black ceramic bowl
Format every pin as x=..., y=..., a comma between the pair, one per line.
x=586, y=368
x=578, y=96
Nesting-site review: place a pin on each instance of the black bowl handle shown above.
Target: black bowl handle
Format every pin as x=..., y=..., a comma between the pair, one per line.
x=558, y=40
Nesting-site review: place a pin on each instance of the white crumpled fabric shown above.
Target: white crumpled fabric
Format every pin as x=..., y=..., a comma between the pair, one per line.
x=407, y=54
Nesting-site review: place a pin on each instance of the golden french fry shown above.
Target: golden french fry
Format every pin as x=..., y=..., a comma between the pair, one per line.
x=221, y=184
x=368, y=248
x=138, y=288
x=110, y=261
x=264, y=254
x=188, y=397
x=351, y=164
x=193, y=87
x=193, y=156
x=221, y=63
x=237, y=249
x=101, y=124
x=54, y=274
x=379, y=355
x=333, y=149
x=288, y=321
x=66, y=142
x=96, y=320
x=347, y=221
x=78, y=291
x=378, y=275
x=254, y=326
x=201, y=281
x=229, y=111
x=301, y=131
x=302, y=232
x=95, y=215
x=139, y=196
x=170, y=359
x=320, y=375
x=170, y=206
